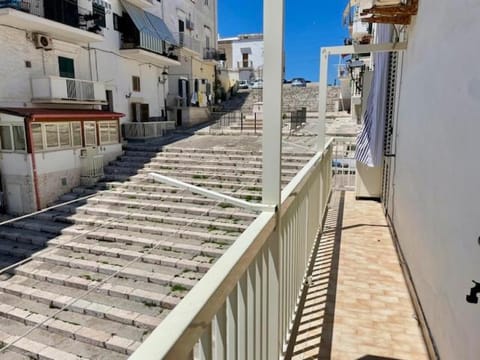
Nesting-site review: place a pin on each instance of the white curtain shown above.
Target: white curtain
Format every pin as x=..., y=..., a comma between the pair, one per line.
x=370, y=141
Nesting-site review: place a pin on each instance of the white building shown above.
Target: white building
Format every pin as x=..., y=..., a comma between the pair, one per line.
x=424, y=162
x=192, y=83
x=113, y=56
x=245, y=54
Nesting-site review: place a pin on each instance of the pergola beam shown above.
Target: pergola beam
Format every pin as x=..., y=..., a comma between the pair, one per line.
x=323, y=82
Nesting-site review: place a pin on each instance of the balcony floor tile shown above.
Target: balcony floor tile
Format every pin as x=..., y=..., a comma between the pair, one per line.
x=358, y=306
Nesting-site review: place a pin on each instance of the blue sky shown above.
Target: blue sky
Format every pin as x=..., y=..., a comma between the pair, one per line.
x=309, y=25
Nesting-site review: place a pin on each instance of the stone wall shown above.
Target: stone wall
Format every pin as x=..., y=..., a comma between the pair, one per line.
x=295, y=97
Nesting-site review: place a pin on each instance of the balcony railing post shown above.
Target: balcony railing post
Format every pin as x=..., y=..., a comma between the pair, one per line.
x=322, y=103
x=273, y=20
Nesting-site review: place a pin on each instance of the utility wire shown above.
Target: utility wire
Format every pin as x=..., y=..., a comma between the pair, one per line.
x=98, y=284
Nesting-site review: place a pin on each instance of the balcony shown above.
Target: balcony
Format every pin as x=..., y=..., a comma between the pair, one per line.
x=346, y=273
x=30, y=18
x=147, y=130
x=186, y=42
x=245, y=65
x=146, y=38
x=214, y=54
x=58, y=90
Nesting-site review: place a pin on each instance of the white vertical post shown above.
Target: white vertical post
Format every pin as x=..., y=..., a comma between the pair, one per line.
x=272, y=100
x=273, y=32
x=322, y=98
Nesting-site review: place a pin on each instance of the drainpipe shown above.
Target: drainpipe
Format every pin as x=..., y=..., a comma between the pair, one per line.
x=28, y=123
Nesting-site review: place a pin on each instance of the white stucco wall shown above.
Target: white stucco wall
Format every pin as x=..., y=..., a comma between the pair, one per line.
x=103, y=62
x=201, y=14
x=436, y=196
x=256, y=55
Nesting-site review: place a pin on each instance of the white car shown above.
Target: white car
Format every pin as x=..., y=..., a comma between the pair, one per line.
x=257, y=84
x=243, y=84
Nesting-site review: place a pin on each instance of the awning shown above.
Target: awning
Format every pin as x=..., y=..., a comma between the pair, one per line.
x=62, y=114
x=149, y=24
x=246, y=50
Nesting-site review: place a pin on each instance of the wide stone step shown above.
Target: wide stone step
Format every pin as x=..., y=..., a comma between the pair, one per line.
x=105, y=265
x=214, y=162
x=114, y=170
x=139, y=154
x=200, y=221
x=231, y=168
x=196, y=176
x=48, y=227
x=34, y=349
x=150, y=191
x=222, y=212
x=287, y=157
x=17, y=250
x=164, y=297
x=20, y=235
x=176, y=232
x=84, y=334
x=103, y=310
x=189, y=246
x=148, y=186
x=210, y=181
x=131, y=253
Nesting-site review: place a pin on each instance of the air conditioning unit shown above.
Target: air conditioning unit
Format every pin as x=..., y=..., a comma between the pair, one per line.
x=42, y=41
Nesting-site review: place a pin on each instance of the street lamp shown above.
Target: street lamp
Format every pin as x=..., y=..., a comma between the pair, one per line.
x=164, y=78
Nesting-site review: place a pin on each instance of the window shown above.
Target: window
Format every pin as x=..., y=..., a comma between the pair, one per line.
x=108, y=131
x=66, y=67
x=37, y=136
x=64, y=135
x=51, y=135
x=90, y=133
x=206, y=2
x=136, y=83
x=76, y=129
x=99, y=15
x=117, y=19
x=12, y=138
x=18, y=133
x=6, y=138
x=245, y=60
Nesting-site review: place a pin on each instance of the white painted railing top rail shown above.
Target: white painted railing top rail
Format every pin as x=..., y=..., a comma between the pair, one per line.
x=231, y=313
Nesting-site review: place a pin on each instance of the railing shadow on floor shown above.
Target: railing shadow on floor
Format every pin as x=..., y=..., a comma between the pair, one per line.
x=312, y=331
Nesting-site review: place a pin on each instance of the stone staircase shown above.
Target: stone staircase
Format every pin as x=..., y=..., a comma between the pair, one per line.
x=129, y=253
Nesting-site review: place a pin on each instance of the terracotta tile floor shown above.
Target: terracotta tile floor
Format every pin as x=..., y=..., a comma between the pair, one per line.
x=357, y=306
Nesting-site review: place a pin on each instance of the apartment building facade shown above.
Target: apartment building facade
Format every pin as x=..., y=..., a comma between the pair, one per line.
x=97, y=66
x=192, y=83
x=244, y=53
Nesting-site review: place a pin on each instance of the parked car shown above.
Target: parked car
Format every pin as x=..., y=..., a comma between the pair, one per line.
x=300, y=82
x=257, y=84
x=243, y=84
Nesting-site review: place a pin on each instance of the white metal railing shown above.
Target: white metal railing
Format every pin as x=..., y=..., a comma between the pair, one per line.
x=184, y=40
x=145, y=130
x=92, y=166
x=244, y=306
x=343, y=162
x=80, y=89
x=54, y=88
x=245, y=64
